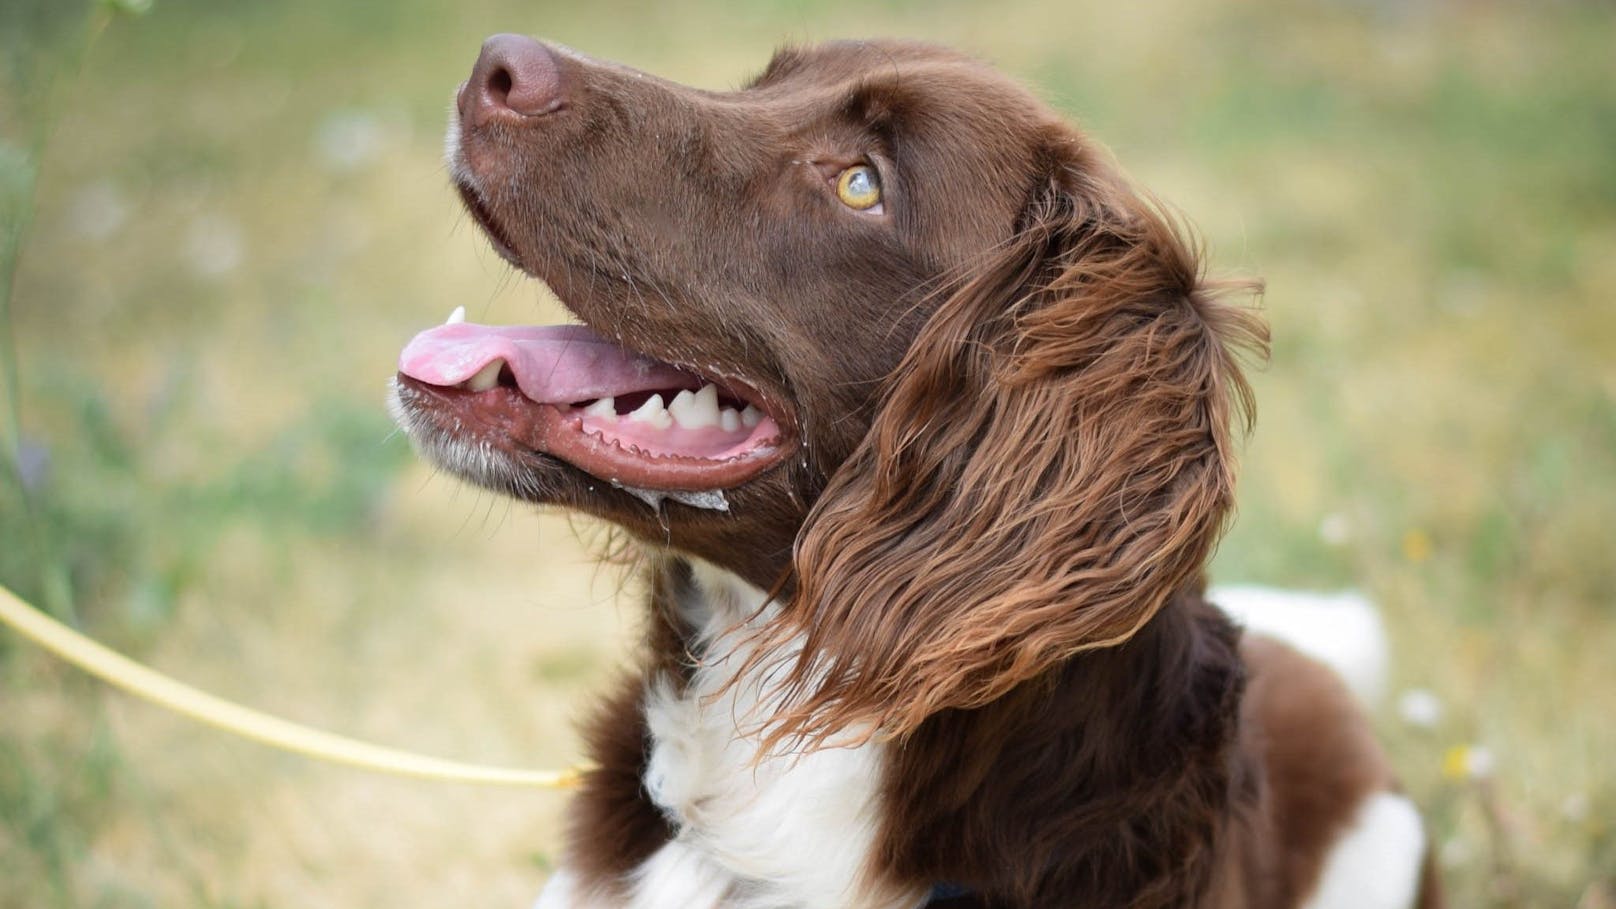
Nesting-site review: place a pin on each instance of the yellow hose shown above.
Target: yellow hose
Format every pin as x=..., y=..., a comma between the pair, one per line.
x=115, y=669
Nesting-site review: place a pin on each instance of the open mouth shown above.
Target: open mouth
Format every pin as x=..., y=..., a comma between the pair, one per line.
x=617, y=414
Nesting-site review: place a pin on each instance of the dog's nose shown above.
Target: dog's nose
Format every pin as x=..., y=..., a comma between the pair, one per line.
x=515, y=77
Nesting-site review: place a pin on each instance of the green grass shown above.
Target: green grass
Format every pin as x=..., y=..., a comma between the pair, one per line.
x=198, y=469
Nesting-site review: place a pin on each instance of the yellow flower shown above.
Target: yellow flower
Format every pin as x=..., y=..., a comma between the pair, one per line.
x=1467, y=762
x=1416, y=546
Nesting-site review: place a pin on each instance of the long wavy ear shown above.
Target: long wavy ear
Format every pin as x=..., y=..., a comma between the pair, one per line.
x=1052, y=462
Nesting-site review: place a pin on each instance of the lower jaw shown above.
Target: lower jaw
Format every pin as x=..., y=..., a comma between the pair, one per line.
x=520, y=427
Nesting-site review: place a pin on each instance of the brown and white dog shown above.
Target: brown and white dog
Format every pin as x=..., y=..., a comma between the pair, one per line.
x=926, y=421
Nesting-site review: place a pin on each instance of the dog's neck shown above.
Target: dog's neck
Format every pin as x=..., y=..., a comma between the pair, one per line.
x=802, y=820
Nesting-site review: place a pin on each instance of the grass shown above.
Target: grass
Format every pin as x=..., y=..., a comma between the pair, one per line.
x=227, y=219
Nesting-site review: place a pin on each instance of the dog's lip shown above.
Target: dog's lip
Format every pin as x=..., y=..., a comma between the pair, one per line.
x=504, y=420
x=551, y=378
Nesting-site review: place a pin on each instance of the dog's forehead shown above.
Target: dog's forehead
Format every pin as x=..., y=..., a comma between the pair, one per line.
x=896, y=70
x=836, y=61
x=967, y=143
x=960, y=108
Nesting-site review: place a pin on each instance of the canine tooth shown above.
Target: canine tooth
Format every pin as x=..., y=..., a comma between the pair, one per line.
x=729, y=420
x=487, y=377
x=603, y=407
x=652, y=412
x=751, y=416
x=456, y=317
x=694, y=410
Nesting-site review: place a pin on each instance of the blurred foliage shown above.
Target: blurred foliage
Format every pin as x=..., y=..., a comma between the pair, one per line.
x=229, y=215
x=89, y=518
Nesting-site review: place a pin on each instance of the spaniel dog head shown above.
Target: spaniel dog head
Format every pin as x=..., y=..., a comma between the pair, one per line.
x=989, y=397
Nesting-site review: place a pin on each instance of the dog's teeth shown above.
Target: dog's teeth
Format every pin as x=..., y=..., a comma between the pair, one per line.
x=729, y=420
x=487, y=377
x=604, y=407
x=652, y=412
x=695, y=410
x=456, y=317
x=751, y=416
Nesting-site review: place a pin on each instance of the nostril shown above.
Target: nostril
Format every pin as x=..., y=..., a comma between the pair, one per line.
x=496, y=90
x=514, y=75
x=499, y=84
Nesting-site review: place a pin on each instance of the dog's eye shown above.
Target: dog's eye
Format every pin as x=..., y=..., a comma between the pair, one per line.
x=859, y=187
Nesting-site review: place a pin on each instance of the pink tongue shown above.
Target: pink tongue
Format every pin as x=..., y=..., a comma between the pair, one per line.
x=553, y=364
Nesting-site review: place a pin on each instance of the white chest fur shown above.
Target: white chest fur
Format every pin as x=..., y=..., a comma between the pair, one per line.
x=787, y=831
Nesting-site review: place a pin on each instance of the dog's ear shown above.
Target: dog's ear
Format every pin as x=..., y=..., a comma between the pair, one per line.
x=1051, y=463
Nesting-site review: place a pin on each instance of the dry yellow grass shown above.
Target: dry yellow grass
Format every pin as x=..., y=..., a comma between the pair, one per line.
x=241, y=217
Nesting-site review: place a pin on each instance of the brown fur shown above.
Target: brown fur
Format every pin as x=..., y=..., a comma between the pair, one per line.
x=1133, y=738
x=1015, y=403
x=613, y=827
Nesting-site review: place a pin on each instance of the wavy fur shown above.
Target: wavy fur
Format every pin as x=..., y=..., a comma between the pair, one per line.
x=1052, y=461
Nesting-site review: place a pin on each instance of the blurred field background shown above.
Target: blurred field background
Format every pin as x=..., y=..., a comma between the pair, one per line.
x=220, y=221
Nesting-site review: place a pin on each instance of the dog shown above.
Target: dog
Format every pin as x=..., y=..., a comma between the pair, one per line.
x=925, y=419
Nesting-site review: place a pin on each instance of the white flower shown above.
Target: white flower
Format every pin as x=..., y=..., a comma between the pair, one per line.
x=1420, y=708
x=1574, y=807
x=214, y=246
x=98, y=211
x=1336, y=529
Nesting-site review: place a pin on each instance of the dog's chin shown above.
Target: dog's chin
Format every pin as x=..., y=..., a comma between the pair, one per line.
x=529, y=476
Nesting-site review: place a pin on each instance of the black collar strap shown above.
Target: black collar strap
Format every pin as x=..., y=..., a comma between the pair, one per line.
x=942, y=893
